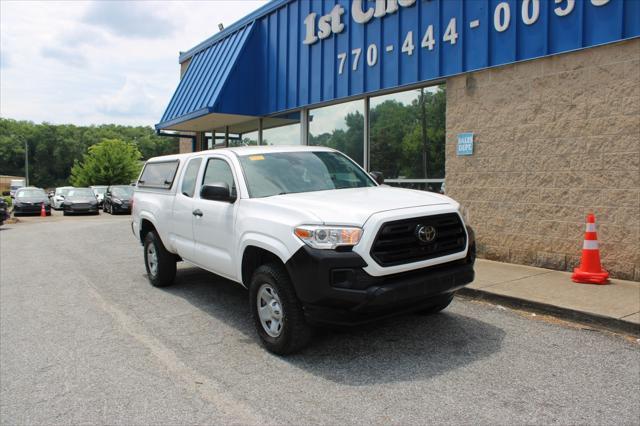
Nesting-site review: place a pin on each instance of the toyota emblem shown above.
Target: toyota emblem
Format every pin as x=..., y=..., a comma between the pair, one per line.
x=426, y=233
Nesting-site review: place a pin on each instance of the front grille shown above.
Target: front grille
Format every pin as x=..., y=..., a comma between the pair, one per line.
x=81, y=206
x=397, y=242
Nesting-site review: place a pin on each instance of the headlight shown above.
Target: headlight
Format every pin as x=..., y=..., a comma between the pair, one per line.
x=464, y=212
x=328, y=237
x=117, y=201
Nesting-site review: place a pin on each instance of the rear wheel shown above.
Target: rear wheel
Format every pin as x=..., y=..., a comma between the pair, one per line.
x=277, y=312
x=160, y=264
x=438, y=304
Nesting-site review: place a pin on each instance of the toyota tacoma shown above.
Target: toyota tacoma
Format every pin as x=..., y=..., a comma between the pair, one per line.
x=314, y=238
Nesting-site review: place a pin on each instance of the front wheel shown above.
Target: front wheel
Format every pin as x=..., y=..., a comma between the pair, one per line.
x=277, y=312
x=160, y=264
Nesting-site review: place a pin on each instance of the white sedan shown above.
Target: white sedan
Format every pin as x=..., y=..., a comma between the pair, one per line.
x=58, y=197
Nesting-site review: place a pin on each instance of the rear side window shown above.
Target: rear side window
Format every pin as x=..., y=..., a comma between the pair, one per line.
x=159, y=174
x=190, y=176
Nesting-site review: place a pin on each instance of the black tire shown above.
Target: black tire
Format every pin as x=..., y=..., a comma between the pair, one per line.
x=165, y=271
x=64, y=213
x=438, y=304
x=294, y=333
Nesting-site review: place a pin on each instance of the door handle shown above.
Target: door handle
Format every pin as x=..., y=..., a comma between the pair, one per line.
x=197, y=212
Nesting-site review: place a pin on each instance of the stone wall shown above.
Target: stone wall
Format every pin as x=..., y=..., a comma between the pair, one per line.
x=186, y=145
x=555, y=138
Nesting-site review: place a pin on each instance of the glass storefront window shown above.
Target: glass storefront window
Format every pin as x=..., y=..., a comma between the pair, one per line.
x=249, y=139
x=407, y=136
x=339, y=127
x=282, y=130
x=244, y=134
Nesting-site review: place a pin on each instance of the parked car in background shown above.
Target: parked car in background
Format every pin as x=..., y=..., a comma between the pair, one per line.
x=29, y=200
x=58, y=197
x=80, y=200
x=99, y=190
x=117, y=199
x=14, y=185
x=4, y=211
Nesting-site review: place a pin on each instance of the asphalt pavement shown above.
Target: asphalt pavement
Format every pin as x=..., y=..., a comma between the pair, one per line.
x=85, y=339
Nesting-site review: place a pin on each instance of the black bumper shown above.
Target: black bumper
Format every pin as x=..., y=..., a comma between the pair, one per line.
x=121, y=208
x=31, y=209
x=335, y=289
x=80, y=210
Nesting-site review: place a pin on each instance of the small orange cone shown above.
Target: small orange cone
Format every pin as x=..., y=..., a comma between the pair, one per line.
x=43, y=212
x=590, y=271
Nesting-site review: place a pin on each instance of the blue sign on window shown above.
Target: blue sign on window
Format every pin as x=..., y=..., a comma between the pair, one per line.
x=465, y=144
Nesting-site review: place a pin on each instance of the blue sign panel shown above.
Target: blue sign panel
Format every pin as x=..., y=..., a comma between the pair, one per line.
x=465, y=144
x=304, y=52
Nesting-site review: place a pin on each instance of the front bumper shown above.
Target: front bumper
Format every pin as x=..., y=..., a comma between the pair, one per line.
x=121, y=208
x=30, y=209
x=335, y=289
x=72, y=209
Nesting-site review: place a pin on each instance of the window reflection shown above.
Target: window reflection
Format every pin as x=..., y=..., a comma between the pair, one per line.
x=282, y=130
x=339, y=127
x=407, y=132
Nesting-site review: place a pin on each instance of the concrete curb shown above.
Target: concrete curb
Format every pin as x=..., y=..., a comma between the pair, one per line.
x=586, y=318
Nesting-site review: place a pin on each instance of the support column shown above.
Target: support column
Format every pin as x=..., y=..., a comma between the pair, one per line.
x=260, y=131
x=304, y=126
x=199, y=141
x=366, y=160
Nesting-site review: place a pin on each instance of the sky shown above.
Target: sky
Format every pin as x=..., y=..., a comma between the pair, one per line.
x=94, y=62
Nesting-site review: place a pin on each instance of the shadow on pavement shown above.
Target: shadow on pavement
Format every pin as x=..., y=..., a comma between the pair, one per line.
x=404, y=348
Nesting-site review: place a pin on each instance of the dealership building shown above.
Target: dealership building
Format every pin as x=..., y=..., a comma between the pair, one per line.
x=527, y=112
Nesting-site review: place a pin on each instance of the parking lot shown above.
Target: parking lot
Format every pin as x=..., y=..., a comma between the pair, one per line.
x=85, y=339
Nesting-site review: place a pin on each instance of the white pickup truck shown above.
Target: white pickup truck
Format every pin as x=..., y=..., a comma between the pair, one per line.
x=312, y=236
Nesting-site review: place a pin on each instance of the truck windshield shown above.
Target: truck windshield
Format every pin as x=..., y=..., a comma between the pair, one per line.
x=292, y=172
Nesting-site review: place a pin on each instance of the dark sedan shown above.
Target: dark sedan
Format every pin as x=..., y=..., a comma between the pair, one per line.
x=117, y=199
x=4, y=211
x=80, y=200
x=29, y=200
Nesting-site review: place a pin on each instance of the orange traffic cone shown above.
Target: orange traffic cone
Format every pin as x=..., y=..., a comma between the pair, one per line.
x=43, y=212
x=590, y=271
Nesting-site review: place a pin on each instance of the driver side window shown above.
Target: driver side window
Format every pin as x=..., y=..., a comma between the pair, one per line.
x=217, y=171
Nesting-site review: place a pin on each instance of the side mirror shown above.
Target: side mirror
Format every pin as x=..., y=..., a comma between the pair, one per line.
x=378, y=177
x=217, y=191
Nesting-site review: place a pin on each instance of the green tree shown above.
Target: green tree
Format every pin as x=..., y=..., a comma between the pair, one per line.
x=110, y=162
x=54, y=149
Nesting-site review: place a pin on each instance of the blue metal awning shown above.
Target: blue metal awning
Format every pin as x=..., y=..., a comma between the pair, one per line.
x=208, y=73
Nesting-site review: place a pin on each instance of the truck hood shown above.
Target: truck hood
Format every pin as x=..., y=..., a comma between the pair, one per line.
x=355, y=205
